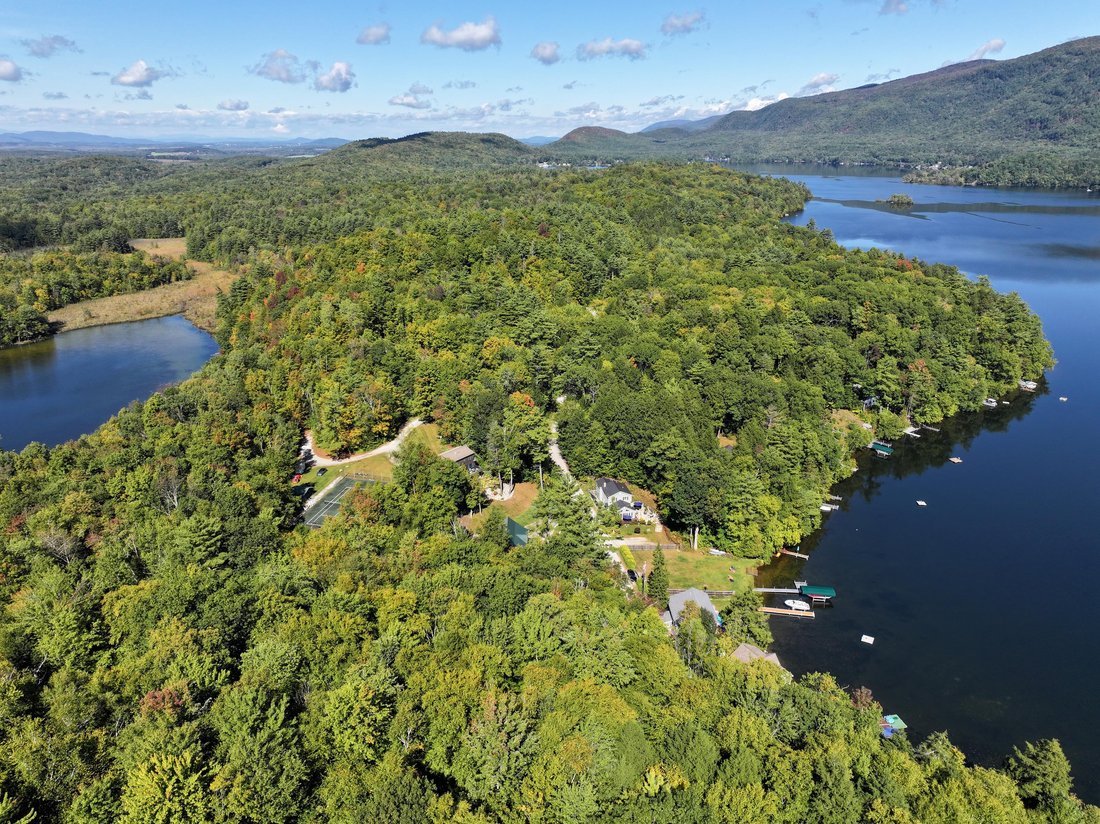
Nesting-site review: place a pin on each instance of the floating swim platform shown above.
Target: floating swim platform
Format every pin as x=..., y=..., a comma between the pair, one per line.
x=955, y=460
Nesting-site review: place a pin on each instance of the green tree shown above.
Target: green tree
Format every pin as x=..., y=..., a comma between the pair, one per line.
x=657, y=582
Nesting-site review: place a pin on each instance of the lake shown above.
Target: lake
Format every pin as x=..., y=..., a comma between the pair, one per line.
x=982, y=604
x=64, y=387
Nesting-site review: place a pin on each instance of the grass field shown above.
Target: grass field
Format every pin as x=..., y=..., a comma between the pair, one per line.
x=378, y=466
x=427, y=434
x=697, y=569
x=195, y=299
x=518, y=507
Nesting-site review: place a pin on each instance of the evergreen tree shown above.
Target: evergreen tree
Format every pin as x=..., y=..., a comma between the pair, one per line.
x=657, y=585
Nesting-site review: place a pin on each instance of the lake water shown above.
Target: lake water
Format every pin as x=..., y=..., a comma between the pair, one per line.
x=64, y=387
x=983, y=605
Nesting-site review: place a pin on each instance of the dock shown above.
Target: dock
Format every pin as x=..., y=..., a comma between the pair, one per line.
x=777, y=590
x=794, y=554
x=795, y=613
x=883, y=450
x=912, y=431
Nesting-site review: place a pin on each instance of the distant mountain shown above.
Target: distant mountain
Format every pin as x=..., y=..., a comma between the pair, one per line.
x=685, y=125
x=436, y=149
x=76, y=142
x=1042, y=108
x=537, y=140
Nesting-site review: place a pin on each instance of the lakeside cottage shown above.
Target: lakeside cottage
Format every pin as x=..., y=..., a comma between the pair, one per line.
x=747, y=653
x=462, y=455
x=678, y=602
x=610, y=492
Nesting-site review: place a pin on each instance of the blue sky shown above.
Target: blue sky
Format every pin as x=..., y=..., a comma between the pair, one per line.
x=355, y=70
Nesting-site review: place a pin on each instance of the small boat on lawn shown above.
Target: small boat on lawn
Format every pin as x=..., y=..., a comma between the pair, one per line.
x=794, y=603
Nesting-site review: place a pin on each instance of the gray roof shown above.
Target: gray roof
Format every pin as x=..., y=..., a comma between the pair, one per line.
x=457, y=453
x=609, y=487
x=677, y=602
x=748, y=653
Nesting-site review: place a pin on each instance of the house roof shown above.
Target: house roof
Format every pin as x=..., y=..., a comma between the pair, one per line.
x=457, y=453
x=747, y=653
x=609, y=487
x=678, y=601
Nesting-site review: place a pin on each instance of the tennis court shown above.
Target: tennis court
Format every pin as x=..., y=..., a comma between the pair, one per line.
x=328, y=503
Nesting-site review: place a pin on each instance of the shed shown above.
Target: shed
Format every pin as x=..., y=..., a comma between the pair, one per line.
x=462, y=455
x=678, y=602
x=609, y=492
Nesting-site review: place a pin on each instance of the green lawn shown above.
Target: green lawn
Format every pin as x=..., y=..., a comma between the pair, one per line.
x=427, y=434
x=698, y=569
x=378, y=466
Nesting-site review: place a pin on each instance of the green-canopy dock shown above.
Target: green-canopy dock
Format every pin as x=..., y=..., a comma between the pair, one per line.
x=817, y=595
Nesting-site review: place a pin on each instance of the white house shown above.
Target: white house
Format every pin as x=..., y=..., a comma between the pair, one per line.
x=610, y=492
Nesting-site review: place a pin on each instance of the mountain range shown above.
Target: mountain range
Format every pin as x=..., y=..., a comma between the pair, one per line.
x=1030, y=120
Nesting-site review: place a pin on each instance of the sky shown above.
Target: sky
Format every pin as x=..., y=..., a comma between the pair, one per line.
x=236, y=68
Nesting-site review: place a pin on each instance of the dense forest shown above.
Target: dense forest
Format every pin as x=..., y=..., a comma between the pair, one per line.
x=33, y=284
x=176, y=647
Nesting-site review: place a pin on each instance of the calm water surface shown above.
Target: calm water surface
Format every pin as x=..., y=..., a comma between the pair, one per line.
x=67, y=386
x=983, y=604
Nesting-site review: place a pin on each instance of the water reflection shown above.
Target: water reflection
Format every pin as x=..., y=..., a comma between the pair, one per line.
x=67, y=386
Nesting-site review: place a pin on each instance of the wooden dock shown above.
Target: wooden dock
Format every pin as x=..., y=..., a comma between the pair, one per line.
x=778, y=590
x=794, y=613
x=794, y=554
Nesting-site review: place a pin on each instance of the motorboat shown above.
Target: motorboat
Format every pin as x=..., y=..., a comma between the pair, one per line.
x=794, y=603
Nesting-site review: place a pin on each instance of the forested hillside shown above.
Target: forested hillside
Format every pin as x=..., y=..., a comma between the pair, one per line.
x=174, y=648
x=1033, y=120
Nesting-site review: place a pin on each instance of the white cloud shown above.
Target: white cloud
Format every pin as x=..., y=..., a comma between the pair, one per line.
x=374, y=35
x=507, y=105
x=757, y=103
x=818, y=84
x=139, y=74
x=55, y=95
x=183, y=107
x=882, y=77
x=9, y=71
x=280, y=65
x=48, y=45
x=140, y=94
x=339, y=78
x=682, y=23
x=663, y=100
x=467, y=36
x=459, y=84
x=280, y=128
x=993, y=46
x=233, y=105
x=410, y=101
x=627, y=47
x=546, y=52
x=894, y=7
x=572, y=84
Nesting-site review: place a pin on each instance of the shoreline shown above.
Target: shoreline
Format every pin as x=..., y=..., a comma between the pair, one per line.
x=195, y=299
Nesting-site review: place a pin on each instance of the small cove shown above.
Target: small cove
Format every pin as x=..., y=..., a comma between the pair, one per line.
x=67, y=386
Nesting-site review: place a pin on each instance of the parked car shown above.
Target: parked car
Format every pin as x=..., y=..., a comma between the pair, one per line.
x=321, y=471
x=632, y=575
